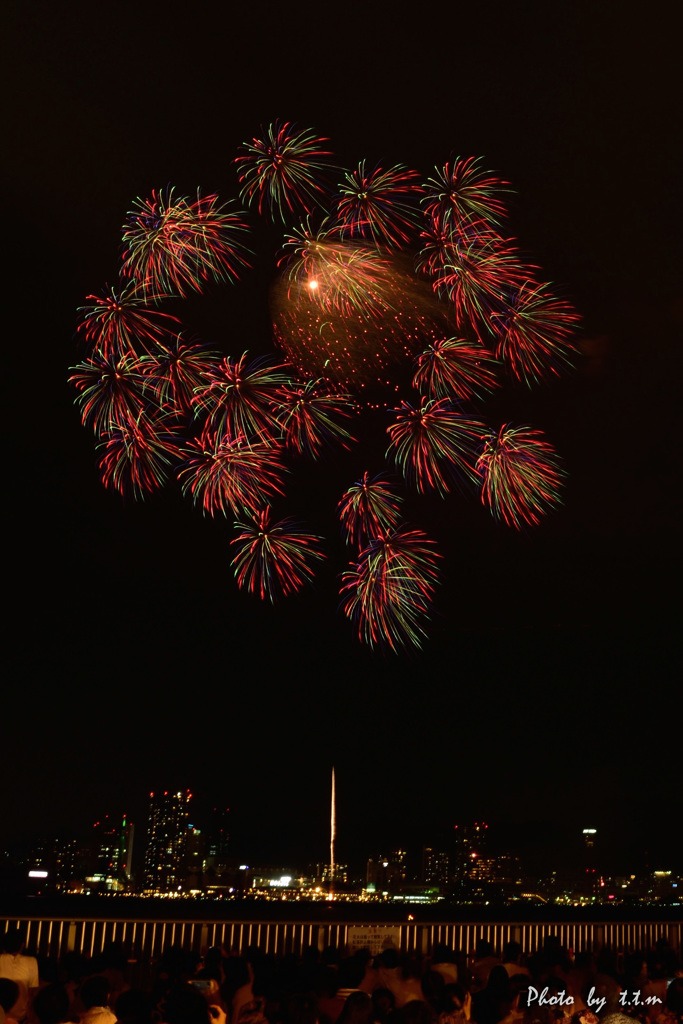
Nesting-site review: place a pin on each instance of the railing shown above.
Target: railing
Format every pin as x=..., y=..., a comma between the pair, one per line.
x=146, y=939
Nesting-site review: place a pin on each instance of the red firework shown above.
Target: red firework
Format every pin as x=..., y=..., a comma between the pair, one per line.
x=274, y=559
x=521, y=475
x=225, y=474
x=435, y=445
x=535, y=334
x=120, y=321
x=377, y=205
x=175, y=245
x=138, y=455
x=389, y=591
x=369, y=509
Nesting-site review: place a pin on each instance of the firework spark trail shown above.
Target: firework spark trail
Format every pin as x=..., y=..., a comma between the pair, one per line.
x=388, y=593
x=239, y=398
x=120, y=321
x=175, y=370
x=110, y=391
x=228, y=475
x=455, y=368
x=462, y=191
x=284, y=170
x=534, y=334
x=377, y=206
x=481, y=275
x=138, y=455
x=175, y=245
x=521, y=475
x=369, y=509
x=309, y=417
x=435, y=445
x=342, y=277
x=274, y=559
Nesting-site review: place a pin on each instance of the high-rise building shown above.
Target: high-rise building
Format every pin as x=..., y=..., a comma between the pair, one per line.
x=590, y=881
x=435, y=865
x=167, y=841
x=469, y=843
x=112, y=850
x=216, y=851
x=386, y=873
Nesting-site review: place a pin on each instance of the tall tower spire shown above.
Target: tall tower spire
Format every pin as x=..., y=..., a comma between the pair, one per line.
x=333, y=832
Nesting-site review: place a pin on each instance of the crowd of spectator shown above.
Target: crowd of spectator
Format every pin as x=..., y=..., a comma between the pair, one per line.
x=547, y=986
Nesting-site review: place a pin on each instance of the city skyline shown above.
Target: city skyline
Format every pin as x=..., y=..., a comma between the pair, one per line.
x=184, y=846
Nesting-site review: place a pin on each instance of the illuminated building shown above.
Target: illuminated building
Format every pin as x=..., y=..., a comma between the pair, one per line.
x=589, y=835
x=167, y=841
x=112, y=852
x=386, y=873
x=468, y=840
x=435, y=866
x=591, y=883
x=331, y=873
x=217, y=839
x=52, y=864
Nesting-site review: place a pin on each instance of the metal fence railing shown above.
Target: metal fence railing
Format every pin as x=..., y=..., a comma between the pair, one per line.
x=146, y=939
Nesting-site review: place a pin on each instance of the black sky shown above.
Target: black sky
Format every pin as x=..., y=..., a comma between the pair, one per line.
x=549, y=689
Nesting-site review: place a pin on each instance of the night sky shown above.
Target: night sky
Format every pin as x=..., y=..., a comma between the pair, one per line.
x=547, y=698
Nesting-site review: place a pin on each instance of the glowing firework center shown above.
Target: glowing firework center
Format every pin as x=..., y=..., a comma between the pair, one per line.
x=351, y=320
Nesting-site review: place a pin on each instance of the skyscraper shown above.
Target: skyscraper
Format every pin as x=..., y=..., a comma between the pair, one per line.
x=112, y=850
x=435, y=865
x=469, y=842
x=165, y=859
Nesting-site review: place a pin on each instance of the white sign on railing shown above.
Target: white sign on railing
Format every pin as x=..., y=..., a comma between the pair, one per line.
x=374, y=939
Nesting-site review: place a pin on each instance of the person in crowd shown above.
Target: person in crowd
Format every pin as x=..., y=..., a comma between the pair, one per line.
x=512, y=960
x=51, y=1005
x=383, y=1005
x=16, y=966
x=445, y=962
x=357, y=1009
x=95, y=994
x=134, y=1006
x=485, y=960
x=9, y=993
x=494, y=1002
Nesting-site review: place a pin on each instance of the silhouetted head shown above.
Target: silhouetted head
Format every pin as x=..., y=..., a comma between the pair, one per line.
x=95, y=992
x=12, y=940
x=51, y=1005
x=9, y=993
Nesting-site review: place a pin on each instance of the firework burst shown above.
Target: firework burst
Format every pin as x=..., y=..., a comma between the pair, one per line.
x=455, y=368
x=239, y=398
x=481, y=275
x=228, y=475
x=388, y=593
x=435, y=445
x=283, y=170
x=377, y=206
x=274, y=559
x=175, y=370
x=351, y=315
x=462, y=191
x=438, y=241
x=138, y=455
x=120, y=320
x=175, y=245
x=340, y=277
x=369, y=509
x=534, y=334
x=110, y=391
x=521, y=475
x=309, y=417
